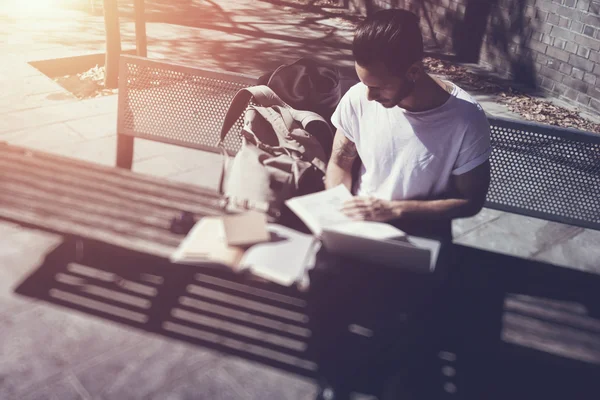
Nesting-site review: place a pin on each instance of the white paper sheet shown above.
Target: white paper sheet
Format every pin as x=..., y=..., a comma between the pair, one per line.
x=321, y=209
x=284, y=259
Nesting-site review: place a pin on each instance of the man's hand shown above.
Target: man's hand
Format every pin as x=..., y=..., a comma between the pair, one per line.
x=470, y=192
x=372, y=209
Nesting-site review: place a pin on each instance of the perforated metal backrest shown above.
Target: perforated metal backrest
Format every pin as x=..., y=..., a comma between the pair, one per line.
x=177, y=104
x=546, y=172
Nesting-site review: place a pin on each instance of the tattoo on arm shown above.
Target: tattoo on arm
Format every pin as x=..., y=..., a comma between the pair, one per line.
x=344, y=153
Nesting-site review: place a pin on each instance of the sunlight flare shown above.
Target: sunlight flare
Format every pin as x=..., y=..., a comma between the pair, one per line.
x=33, y=6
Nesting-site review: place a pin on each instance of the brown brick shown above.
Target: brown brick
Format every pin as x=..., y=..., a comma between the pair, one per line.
x=595, y=104
x=593, y=92
x=576, y=26
x=565, y=68
x=583, y=52
x=571, y=94
x=566, y=12
x=577, y=73
x=554, y=19
x=588, y=42
x=557, y=53
x=559, y=89
x=583, y=99
x=537, y=66
x=542, y=58
x=547, y=83
x=562, y=33
x=552, y=74
x=576, y=84
x=555, y=65
x=548, y=6
x=535, y=35
x=589, y=19
x=583, y=5
x=537, y=46
x=559, y=43
x=545, y=28
x=590, y=78
x=530, y=12
x=541, y=15
x=571, y=47
x=581, y=63
x=564, y=22
x=547, y=39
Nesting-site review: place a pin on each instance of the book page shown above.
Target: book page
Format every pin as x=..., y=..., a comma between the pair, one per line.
x=245, y=229
x=368, y=229
x=284, y=259
x=205, y=243
x=321, y=209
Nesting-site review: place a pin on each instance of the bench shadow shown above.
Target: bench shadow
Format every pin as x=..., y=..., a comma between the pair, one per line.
x=202, y=306
x=518, y=329
x=502, y=327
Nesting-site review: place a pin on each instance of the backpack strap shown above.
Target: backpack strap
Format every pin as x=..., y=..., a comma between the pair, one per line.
x=263, y=95
x=278, y=121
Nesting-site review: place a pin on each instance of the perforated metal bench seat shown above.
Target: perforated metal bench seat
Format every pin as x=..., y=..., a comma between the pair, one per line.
x=174, y=104
x=546, y=172
x=537, y=170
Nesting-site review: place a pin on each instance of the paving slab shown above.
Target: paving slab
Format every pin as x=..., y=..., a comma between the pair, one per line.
x=158, y=166
x=154, y=366
x=63, y=388
x=44, y=137
x=517, y=235
x=96, y=126
x=208, y=176
x=463, y=226
x=41, y=116
x=580, y=251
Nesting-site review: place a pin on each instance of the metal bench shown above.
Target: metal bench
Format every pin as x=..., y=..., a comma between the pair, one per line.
x=174, y=104
x=537, y=170
x=545, y=172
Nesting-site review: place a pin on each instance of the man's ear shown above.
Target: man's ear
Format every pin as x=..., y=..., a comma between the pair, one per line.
x=415, y=71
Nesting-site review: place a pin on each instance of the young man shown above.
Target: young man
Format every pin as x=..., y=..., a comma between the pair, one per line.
x=424, y=143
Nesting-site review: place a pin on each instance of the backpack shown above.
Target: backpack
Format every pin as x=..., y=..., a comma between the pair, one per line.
x=282, y=154
x=307, y=84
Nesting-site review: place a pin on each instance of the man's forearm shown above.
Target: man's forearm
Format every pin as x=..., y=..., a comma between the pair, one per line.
x=343, y=155
x=336, y=176
x=435, y=209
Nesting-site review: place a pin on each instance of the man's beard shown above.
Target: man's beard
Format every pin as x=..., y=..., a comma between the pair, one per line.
x=407, y=89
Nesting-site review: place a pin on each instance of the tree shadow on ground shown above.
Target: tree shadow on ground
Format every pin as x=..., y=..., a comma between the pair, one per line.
x=259, y=36
x=503, y=327
x=245, y=37
x=494, y=32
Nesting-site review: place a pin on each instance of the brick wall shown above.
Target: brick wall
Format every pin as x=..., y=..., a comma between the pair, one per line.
x=551, y=44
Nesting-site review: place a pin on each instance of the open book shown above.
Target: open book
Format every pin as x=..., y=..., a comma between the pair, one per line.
x=283, y=258
x=371, y=241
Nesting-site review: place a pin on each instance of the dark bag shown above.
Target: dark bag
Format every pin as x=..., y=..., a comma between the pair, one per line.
x=281, y=155
x=307, y=84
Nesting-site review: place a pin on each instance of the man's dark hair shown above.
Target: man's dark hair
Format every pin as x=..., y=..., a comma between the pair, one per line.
x=391, y=36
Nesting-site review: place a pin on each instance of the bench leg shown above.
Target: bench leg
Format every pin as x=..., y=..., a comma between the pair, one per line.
x=124, y=151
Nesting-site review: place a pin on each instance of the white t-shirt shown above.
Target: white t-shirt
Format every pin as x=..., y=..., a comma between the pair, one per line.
x=411, y=155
